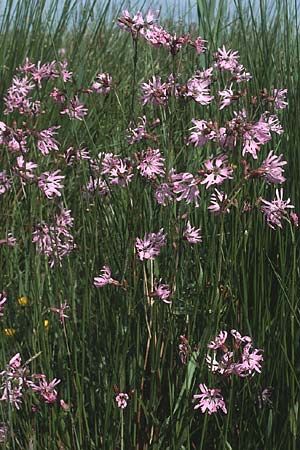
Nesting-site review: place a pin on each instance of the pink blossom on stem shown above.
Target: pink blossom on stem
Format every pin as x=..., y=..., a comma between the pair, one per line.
x=250, y=361
x=186, y=187
x=280, y=98
x=151, y=163
x=155, y=92
x=199, y=44
x=65, y=74
x=103, y=83
x=227, y=97
x=198, y=89
x=137, y=24
x=226, y=59
x=5, y=182
x=219, y=341
x=24, y=169
x=192, y=235
x=122, y=400
x=163, y=292
x=202, y=132
x=271, y=169
x=76, y=109
x=219, y=202
x=46, y=141
x=58, y=96
x=150, y=246
x=164, y=193
x=294, y=218
x=71, y=155
x=50, y=184
x=45, y=389
x=254, y=136
x=105, y=278
x=136, y=134
x=216, y=171
x=275, y=210
x=210, y=400
x=10, y=240
x=55, y=241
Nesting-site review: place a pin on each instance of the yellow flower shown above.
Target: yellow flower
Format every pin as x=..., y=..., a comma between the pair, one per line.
x=9, y=331
x=46, y=323
x=23, y=301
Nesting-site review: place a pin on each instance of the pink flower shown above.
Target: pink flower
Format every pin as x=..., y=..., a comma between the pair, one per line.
x=103, y=83
x=24, y=169
x=216, y=171
x=275, y=210
x=5, y=182
x=271, y=169
x=295, y=219
x=250, y=361
x=254, y=136
x=43, y=72
x=10, y=240
x=219, y=202
x=186, y=187
x=210, y=400
x=65, y=406
x=164, y=193
x=65, y=74
x=105, y=278
x=55, y=240
x=137, y=24
x=122, y=399
x=198, y=44
x=226, y=59
x=163, y=292
x=151, y=163
x=75, y=110
x=15, y=362
x=137, y=134
x=50, y=184
x=192, y=235
x=203, y=132
x=150, y=246
x=45, y=389
x=58, y=96
x=219, y=341
x=227, y=97
x=240, y=74
x=279, y=95
x=198, y=89
x=155, y=92
x=46, y=141
x=71, y=155
x=239, y=339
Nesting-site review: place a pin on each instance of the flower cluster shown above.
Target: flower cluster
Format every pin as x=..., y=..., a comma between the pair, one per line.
x=150, y=246
x=17, y=378
x=239, y=358
x=55, y=240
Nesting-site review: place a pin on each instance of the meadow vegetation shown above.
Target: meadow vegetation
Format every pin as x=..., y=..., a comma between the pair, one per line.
x=149, y=263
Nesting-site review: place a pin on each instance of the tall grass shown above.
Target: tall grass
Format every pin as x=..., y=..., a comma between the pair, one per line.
x=243, y=276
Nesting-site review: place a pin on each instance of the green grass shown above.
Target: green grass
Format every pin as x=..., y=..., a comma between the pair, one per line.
x=244, y=275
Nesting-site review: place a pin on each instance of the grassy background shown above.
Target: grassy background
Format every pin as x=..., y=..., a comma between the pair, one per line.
x=243, y=276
